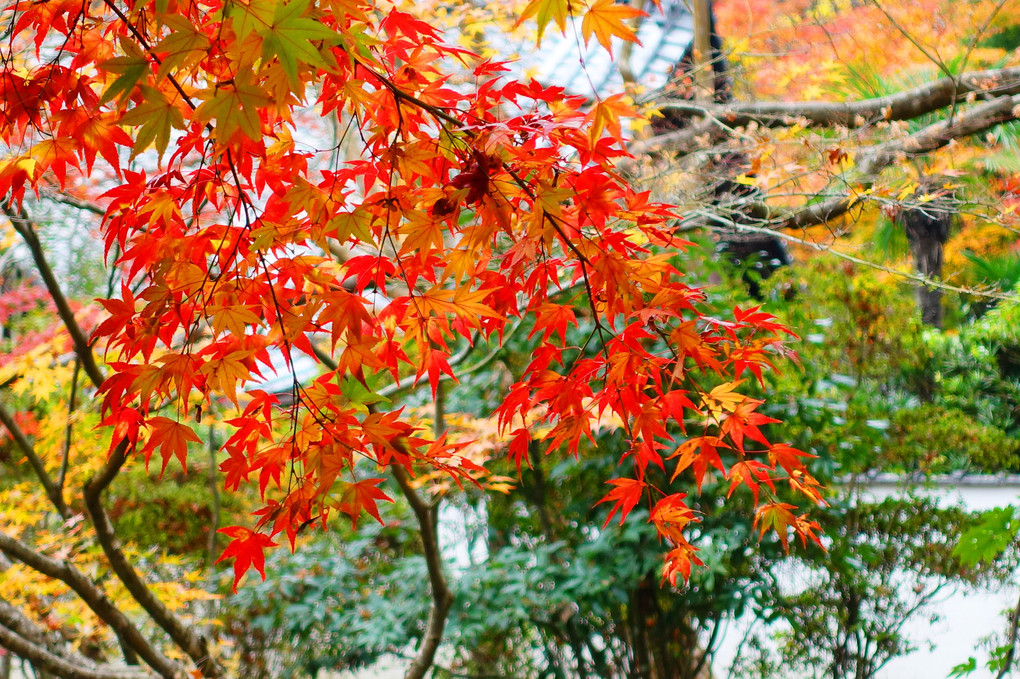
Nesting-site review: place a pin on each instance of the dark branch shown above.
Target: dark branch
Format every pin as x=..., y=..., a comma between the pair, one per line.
x=23, y=225
x=65, y=453
x=717, y=121
x=442, y=597
x=16, y=621
x=95, y=599
x=52, y=489
x=187, y=638
x=77, y=203
x=42, y=658
x=870, y=162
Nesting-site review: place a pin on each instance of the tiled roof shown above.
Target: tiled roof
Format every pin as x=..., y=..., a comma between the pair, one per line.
x=565, y=61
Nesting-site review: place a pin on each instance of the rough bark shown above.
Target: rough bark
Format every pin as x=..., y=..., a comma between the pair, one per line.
x=23, y=225
x=927, y=229
x=96, y=600
x=442, y=597
x=717, y=121
x=53, y=491
x=871, y=161
x=52, y=663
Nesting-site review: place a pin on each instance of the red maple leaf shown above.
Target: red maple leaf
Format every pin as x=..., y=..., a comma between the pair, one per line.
x=247, y=549
x=626, y=493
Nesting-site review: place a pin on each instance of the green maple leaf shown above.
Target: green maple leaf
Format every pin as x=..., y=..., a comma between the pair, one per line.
x=184, y=46
x=235, y=108
x=546, y=11
x=156, y=115
x=246, y=17
x=291, y=38
x=131, y=67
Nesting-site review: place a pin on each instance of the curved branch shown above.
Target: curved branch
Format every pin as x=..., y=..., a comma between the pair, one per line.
x=53, y=490
x=66, y=199
x=442, y=597
x=193, y=644
x=95, y=599
x=23, y=225
x=905, y=105
x=871, y=162
x=917, y=278
x=16, y=621
x=1014, y=635
x=12, y=618
x=53, y=663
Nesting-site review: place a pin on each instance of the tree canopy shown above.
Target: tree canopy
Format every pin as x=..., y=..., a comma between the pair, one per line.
x=312, y=219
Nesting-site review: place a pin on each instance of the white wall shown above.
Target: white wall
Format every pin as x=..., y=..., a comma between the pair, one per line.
x=966, y=619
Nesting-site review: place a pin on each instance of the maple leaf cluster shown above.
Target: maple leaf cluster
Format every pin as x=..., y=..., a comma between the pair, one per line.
x=476, y=200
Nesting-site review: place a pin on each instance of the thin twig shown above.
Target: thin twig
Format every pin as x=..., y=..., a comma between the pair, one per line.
x=871, y=161
x=1014, y=632
x=822, y=247
x=65, y=453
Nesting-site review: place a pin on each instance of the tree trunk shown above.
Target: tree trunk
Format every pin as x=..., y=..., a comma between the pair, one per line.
x=927, y=228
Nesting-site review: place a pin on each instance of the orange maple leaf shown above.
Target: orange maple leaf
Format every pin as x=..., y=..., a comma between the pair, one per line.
x=776, y=515
x=678, y=562
x=361, y=496
x=171, y=438
x=700, y=452
x=607, y=18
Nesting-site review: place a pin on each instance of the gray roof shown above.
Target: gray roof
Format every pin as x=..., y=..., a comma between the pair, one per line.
x=565, y=61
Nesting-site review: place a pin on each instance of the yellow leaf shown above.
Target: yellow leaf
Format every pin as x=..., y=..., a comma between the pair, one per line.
x=723, y=397
x=606, y=116
x=463, y=303
x=545, y=11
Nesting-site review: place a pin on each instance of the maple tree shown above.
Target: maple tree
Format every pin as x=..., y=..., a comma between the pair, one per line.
x=238, y=243
x=449, y=205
